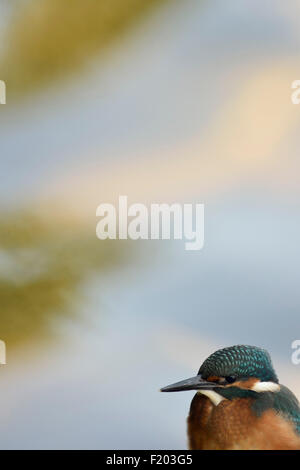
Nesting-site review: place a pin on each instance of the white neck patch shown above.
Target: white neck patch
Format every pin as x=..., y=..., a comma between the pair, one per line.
x=214, y=397
x=265, y=387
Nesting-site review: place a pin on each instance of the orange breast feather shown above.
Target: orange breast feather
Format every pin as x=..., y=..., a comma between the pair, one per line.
x=233, y=425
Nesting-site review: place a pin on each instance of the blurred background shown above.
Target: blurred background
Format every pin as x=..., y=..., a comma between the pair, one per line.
x=163, y=101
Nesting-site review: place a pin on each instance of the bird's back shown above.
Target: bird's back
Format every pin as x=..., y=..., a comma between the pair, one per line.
x=286, y=404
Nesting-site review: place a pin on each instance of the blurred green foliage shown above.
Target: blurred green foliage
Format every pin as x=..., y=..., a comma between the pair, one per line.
x=42, y=267
x=47, y=38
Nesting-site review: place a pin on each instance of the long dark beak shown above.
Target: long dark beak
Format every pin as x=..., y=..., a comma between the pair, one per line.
x=194, y=383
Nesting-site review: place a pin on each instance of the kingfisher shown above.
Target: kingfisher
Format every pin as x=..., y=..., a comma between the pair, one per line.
x=240, y=404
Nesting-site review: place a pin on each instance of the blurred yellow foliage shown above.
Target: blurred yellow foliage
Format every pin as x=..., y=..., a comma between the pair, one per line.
x=41, y=270
x=46, y=38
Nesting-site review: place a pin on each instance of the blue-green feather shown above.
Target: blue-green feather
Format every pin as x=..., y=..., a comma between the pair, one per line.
x=286, y=404
x=241, y=361
x=283, y=402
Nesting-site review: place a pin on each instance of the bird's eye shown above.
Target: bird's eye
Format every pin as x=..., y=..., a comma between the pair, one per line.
x=230, y=379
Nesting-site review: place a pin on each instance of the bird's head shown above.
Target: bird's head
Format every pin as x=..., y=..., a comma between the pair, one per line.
x=231, y=372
